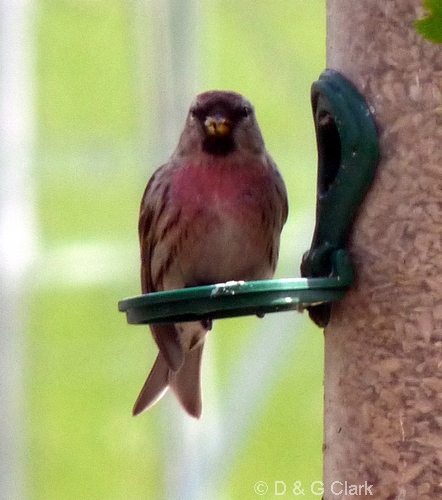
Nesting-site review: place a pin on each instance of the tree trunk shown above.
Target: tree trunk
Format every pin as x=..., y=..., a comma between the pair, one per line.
x=383, y=346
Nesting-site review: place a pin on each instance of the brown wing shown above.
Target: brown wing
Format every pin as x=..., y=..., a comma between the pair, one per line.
x=151, y=229
x=281, y=195
x=152, y=198
x=275, y=214
x=157, y=229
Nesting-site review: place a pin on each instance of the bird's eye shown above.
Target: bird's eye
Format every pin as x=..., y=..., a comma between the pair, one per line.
x=245, y=111
x=196, y=113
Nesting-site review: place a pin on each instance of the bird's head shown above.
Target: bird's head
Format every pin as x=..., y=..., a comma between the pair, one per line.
x=220, y=123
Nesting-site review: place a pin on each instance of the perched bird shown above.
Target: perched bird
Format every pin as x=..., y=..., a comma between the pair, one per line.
x=213, y=213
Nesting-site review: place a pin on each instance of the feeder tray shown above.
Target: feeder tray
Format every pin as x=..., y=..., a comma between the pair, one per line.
x=239, y=298
x=347, y=158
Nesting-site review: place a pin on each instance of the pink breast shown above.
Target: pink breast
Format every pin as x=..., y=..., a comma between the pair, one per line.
x=220, y=186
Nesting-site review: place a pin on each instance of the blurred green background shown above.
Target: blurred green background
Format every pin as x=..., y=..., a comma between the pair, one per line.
x=98, y=132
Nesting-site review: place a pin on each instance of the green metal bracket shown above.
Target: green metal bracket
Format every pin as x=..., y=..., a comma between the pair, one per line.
x=348, y=151
x=348, y=154
x=239, y=298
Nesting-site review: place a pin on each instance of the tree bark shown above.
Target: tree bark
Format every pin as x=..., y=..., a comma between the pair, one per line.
x=383, y=346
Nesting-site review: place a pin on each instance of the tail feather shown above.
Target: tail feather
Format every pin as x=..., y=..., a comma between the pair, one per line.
x=166, y=337
x=186, y=383
x=154, y=387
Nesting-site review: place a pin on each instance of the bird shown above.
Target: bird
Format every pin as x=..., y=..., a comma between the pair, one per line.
x=212, y=213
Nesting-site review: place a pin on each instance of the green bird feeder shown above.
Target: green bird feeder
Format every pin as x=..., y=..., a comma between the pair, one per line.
x=347, y=158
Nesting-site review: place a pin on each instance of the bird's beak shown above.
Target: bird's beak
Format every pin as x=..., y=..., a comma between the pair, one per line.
x=217, y=125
